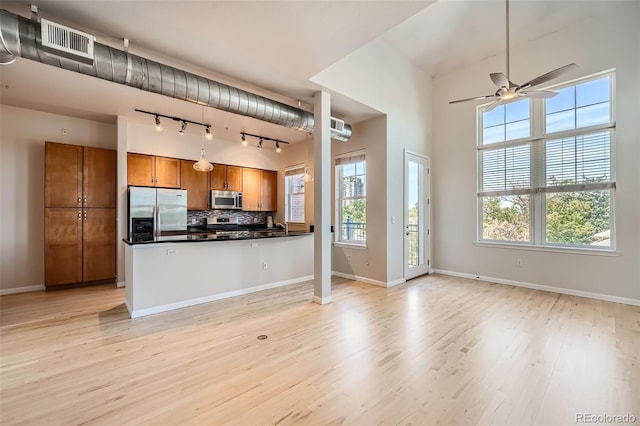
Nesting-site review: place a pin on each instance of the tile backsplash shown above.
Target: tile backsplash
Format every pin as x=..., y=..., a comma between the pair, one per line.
x=243, y=218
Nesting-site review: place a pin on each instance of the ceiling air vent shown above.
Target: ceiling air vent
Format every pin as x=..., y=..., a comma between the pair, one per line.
x=67, y=42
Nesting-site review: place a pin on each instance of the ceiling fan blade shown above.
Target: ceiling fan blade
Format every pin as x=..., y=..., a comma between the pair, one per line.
x=493, y=105
x=548, y=76
x=539, y=94
x=477, y=98
x=499, y=79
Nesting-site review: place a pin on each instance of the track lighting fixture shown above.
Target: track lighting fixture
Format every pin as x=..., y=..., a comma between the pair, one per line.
x=202, y=165
x=243, y=138
x=183, y=128
x=184, y=121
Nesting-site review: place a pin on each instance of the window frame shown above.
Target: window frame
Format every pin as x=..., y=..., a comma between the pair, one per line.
x=537, y=142
x=349, y=156
x=288, y=173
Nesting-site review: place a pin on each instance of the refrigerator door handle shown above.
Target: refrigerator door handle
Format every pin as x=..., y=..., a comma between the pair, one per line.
x=158, y=220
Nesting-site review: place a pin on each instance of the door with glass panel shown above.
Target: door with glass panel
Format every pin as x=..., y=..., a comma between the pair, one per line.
x=416, y=215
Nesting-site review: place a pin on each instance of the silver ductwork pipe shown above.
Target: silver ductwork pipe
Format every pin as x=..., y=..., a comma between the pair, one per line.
x=21, y=37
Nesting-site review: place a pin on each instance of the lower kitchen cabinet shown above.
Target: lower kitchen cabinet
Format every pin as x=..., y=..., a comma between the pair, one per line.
x=62, y=246
x=98, y=244
x=80, y=245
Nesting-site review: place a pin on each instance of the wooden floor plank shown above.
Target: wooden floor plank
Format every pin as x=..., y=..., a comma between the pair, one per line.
x=436, y=350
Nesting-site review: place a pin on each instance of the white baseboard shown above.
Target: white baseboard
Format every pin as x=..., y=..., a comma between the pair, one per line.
x=21, y=289
x=551, y=289
x=368, y=280
x=185, y=303
x=322, y=300
x=120, y=284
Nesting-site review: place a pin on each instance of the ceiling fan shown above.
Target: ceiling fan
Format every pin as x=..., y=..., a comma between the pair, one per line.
x=508, y=90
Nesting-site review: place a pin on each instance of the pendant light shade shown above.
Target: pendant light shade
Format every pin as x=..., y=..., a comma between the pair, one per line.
x=203, y=165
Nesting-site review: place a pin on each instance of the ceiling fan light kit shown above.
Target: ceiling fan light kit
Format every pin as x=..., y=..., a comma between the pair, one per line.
x=507, y=90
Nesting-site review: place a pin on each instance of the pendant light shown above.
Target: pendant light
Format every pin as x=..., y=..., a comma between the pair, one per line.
x=203, y=165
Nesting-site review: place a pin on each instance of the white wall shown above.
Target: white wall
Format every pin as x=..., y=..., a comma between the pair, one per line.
x=378, y=76
x=611, y=40
x=22, y=136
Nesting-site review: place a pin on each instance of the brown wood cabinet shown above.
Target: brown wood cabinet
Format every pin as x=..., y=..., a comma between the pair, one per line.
x=63, y=245
x=63, y=175
x=80, y=214
x=226, y=178
x=149, y=170
x=197, y=186
x=259, y=190
x=98, y=244
x=99, y=178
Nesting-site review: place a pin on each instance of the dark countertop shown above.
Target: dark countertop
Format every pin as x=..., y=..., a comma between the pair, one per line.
x=210, y=236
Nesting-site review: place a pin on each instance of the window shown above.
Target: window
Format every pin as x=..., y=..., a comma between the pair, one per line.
x=351, y=201
x=545, y=170
x=294, y=193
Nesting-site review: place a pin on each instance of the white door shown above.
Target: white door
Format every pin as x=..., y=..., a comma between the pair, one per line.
x=416, y=215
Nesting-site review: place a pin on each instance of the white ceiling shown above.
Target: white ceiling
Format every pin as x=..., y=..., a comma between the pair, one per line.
x=274, y=45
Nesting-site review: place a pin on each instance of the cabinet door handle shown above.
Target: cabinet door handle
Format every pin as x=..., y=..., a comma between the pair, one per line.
x=85, y=200
x=79, y=215
x=79, y=200
x=85, y=215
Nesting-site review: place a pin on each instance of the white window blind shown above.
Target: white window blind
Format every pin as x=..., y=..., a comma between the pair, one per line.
x=545, y=167
x=294, y=182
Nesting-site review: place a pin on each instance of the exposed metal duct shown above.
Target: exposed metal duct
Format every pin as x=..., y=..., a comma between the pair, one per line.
x=21, y=37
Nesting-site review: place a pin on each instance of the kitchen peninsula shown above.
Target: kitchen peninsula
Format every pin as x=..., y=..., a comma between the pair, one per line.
x=177, y=271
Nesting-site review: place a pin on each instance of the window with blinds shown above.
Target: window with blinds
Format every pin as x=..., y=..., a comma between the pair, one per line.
x=545, y=168
x=351, y=198
x=294, y=180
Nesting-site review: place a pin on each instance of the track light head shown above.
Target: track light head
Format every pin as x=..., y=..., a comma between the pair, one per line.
x=207, y=133
x=183, y=128
x=260, y=144
x=244, y=139
x=278, y=149
x=158, y=124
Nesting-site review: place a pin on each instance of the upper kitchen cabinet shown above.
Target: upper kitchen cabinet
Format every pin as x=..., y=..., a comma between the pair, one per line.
x=99, y=178
x=259, y=190
x=148, y=170
x=77, y=176
x=63, y=175
x=226, y=178
x=197, y=185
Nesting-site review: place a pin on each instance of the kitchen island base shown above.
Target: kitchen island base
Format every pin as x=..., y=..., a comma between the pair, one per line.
x=164, y=276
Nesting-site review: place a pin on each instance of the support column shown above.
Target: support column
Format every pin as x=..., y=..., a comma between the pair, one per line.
x=322, y=197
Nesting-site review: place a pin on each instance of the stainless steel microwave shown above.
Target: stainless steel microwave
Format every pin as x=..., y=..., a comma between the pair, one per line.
x=226, y=200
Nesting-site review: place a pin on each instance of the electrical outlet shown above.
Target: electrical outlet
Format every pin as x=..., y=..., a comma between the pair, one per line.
x=64, y=132
x=520, y=263
x=265, y=265
x=172, y=252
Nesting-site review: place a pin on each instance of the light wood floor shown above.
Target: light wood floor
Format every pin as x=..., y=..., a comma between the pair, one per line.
x=435, y=351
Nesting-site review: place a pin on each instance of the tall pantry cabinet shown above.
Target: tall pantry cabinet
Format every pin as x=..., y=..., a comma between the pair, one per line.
x=80, y=214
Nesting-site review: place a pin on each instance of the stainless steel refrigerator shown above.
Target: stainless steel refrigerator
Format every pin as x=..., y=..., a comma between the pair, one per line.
x=166, y=207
